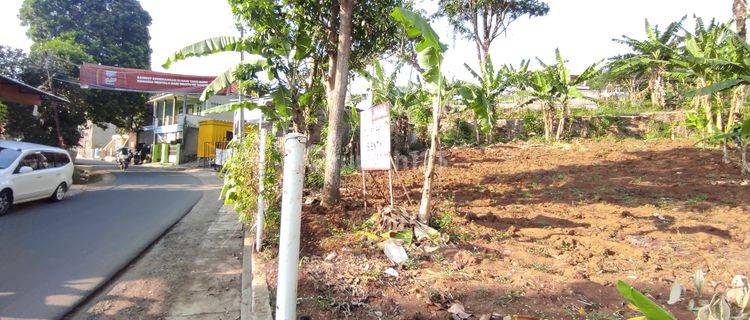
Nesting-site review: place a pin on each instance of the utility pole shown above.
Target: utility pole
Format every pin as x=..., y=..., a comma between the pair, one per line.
x=260, y=216
x=289, y=238
x=53, y=104
x=241, y=127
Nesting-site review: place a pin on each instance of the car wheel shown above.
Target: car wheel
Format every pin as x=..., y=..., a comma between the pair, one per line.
x=59, y=193
x=6, y=199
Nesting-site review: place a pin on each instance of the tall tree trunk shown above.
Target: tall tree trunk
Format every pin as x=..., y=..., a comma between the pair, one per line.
x=743, y=157
x=332, y=178
x=333, y=32
x=739, y=9
x=704, y=102
x=493, y=121
x=739, y=96
x=425, y=206
x=476, y=130
x=547, y=119
x=658, y=92
x=720, y=127
x=561, y=123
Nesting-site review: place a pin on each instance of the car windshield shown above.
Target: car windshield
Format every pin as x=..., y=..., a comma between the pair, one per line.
x=7, y=156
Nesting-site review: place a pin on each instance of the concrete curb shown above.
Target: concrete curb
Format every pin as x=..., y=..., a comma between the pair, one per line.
x=255, y=303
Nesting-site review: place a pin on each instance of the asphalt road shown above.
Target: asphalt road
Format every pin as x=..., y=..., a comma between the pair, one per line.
x=53, y=255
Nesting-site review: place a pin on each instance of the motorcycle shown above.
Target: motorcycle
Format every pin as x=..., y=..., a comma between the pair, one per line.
x=123, y=158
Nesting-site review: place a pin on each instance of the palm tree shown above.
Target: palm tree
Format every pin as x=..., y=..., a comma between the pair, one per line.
x=649, y=58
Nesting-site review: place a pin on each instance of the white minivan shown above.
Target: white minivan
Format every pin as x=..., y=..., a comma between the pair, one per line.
x=32, y=171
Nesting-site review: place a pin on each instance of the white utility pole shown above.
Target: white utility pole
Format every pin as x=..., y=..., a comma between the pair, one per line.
x=241, y=127
x=291, y=215
x=260, y=217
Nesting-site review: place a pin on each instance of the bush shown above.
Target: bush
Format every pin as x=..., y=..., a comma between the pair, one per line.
x=316, y=166
x=604, y=125
x=240, y=173
x=532, y=123
x=658, y=130
x=462, y=133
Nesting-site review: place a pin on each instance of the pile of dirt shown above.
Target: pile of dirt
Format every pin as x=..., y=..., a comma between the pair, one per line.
x=536, y=230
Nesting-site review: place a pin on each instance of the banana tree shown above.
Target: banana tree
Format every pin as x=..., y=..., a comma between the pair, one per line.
x=734, y=75
x=703, y=49
x=554, y=86
x=430, y=57
x=482, y=98
x=566, y=88
x=649, y=58
x=541, y=90
x=281, y=63
x=740, y=135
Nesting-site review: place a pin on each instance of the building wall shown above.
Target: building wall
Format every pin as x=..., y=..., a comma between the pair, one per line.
x=94, y=137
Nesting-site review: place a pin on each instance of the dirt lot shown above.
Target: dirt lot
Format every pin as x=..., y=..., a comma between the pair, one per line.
x=541, y=231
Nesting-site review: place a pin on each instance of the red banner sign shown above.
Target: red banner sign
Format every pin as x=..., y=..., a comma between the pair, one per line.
x=94, y=76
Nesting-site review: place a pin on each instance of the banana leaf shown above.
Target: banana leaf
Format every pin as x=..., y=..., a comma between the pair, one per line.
x=227, y=78
x=206, y=47
x=717, y=87
x=429, y=49
x=650, y=310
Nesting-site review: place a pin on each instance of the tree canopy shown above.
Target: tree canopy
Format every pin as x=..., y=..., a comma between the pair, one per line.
x=111, y=32
x=482, y=21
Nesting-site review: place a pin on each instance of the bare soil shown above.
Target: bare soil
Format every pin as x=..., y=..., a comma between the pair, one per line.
x=536, y=230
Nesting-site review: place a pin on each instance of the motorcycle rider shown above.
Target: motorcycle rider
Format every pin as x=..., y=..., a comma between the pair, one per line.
x=124, y=155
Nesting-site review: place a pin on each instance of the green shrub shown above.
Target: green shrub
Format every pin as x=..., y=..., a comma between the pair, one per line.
x=532, y=123
x=315, y=167
x=461, y=133
x=314, y=179
x=602, y=126
x=240, y=174
x=442, y=221
x=658, y=130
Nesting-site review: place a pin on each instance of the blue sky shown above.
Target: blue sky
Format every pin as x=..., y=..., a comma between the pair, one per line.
x=582, y=29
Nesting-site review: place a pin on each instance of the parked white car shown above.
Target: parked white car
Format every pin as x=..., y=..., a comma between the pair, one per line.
x=31, y=172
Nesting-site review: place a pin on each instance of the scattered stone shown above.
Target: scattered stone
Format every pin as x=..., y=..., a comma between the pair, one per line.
x=424, y=232
x=391, y=272
x=458, y=312
x=512, y=231
x=331, y=256
x=395, y=252
x=675, y=293
x=464, y=259
x=429, y=248
x=311, y=200
x=739, y=281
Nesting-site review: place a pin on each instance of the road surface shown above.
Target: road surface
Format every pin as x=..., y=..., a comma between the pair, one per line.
x=53, y=255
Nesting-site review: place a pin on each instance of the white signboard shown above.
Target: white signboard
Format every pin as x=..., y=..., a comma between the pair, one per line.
x=375, y=137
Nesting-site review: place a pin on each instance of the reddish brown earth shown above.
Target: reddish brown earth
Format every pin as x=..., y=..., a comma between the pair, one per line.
x=542, y=231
